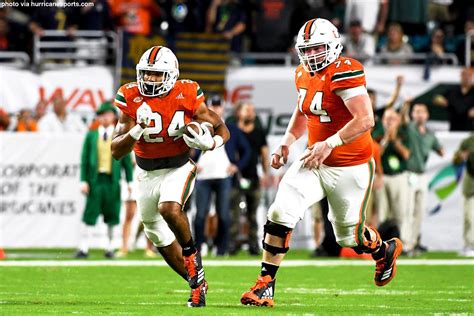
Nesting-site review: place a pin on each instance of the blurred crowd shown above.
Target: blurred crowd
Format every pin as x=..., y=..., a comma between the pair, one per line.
x=368, y=26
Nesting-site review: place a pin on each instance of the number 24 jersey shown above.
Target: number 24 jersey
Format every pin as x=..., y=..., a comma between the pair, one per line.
x=170, y=113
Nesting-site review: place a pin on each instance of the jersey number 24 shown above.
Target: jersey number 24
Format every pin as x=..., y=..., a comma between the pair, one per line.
x=177, y=122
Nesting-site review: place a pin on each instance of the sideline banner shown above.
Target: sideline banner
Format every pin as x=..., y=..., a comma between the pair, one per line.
x=41, y=204
x=84, y=88
x=40, y=200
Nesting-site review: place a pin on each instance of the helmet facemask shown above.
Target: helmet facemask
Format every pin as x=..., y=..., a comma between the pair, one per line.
x=156, y=88
x=314, y=62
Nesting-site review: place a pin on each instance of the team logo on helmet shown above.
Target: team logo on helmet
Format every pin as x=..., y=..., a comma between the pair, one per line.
x=318, y=44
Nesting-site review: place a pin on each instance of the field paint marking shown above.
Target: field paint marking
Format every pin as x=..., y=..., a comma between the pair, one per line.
x=371, y=291
x=231, y=263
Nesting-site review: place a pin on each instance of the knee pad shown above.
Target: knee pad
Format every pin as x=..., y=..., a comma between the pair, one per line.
x=370, y=242
x=279, y=231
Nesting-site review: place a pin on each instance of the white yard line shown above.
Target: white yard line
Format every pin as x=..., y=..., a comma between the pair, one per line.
x=230, y=263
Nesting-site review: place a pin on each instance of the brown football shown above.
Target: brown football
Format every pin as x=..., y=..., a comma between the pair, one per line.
x=209, y=127
x=195, y=126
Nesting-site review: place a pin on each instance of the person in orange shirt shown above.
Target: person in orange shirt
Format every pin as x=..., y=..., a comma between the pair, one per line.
x=155, y=111
x=335, y=109
x=4, y=119
x=26, y=122
x=135, y=16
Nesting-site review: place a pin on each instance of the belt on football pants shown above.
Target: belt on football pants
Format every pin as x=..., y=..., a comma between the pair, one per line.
x=149, y=164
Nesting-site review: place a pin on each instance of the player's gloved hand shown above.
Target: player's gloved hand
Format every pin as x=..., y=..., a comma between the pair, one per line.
x=202, y=142
x=144, y=114
x=280, y=156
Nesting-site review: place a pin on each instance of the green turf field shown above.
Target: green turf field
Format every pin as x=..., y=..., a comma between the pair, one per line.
x=155, y=290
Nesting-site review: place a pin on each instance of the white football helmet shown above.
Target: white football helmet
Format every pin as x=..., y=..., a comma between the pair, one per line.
x=314, y=33
x=161, y=60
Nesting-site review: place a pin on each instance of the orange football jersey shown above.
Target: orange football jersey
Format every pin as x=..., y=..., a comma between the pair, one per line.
x=170, y=114
x=325, y=111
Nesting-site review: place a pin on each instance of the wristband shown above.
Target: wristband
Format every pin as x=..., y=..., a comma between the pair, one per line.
x=136, y=132
x=334, y=141
x=218, y=141
x=288, y=139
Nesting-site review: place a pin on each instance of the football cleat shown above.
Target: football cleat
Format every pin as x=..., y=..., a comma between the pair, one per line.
x=195, y=270
x=386, y=267
x=198, y=296
x=261, y=294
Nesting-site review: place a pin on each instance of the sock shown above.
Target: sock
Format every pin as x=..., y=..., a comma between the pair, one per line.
x=188, y=248
x=110, y=238
x=380, y=253
x=269, y=269
x=86, y=232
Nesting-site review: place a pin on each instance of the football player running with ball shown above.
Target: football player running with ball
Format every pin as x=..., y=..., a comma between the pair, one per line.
x=155, y=110
x=334, y=107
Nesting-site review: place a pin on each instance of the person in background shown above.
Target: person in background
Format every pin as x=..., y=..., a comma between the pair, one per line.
x=26, y=122
x=130, y=211
x=412, y=15
x=100, y=178
x=436, y=46
x=216, y=170
x=318, y=229
x=465, y=154
x=4, y=120
x=51, y=17
x=377, y=131
x=459, y=102
x=395, y=153
x=375, y=213
x=95, y=17
x=421, y=142
x=396, y=44
x=372, y=14
x=250, y=184
x=228, y=18
x=135, y=16
x=59, y=120
x=357, y=43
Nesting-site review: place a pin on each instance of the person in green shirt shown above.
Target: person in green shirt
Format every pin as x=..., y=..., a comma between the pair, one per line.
x=466, y=153
x=422, y=141
x=394, y=156
x=100, y=180
x=378, y=131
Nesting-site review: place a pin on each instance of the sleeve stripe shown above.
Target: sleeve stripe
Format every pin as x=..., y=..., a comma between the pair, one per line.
x=199, y=91
x=120, y=97
x=347, y=75
x=200, y=95
x=120, y=102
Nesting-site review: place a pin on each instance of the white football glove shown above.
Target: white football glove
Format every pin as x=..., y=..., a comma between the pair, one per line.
x=202, y=142
x=144, y=114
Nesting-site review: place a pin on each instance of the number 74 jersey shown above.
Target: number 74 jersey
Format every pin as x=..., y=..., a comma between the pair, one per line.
x=170, y=114
x=325, y=111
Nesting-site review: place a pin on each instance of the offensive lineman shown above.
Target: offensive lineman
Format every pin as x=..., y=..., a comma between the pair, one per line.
x=334, y=107
x=155, y=110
